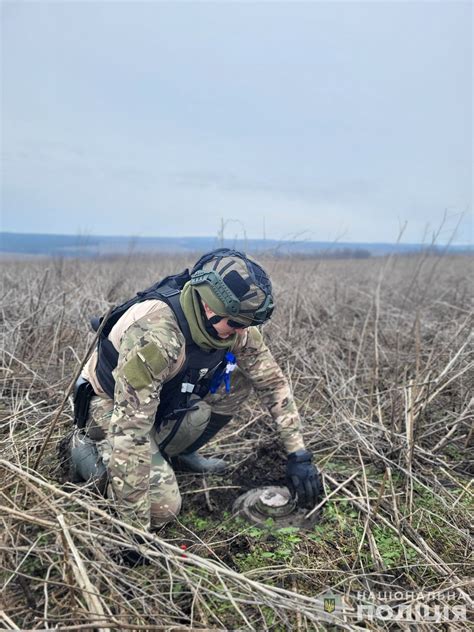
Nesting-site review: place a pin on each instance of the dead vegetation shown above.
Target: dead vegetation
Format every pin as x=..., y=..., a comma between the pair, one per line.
x=378, y=353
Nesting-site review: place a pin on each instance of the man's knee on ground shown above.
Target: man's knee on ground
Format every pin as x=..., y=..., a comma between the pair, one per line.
x=164, y=511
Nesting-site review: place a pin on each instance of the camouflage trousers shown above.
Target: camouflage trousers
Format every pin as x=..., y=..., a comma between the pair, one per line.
x=165, y=498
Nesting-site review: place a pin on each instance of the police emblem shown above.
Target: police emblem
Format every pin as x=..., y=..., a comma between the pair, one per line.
x=329, y=604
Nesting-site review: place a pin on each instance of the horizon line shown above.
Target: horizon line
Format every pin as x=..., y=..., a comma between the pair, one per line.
x=239, y=239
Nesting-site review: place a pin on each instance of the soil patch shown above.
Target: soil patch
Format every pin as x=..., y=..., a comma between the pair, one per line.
x=265, y=467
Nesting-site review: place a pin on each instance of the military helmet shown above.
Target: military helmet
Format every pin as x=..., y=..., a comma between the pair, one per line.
x=234, y=286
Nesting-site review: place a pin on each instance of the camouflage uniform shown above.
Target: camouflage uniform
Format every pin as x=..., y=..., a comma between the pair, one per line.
x=151, y=351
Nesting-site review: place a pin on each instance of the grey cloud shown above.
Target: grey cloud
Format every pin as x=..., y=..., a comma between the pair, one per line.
x=340, y=191
x=312, y=115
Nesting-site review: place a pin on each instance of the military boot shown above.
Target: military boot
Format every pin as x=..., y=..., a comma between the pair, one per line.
x=191, y=461
x=194, y=462
x=86, y=465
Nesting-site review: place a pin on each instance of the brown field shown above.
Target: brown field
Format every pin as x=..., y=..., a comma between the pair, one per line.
x=378, y=353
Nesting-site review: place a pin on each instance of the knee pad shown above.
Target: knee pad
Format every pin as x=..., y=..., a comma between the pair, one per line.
x=165, y=510
x=216, y=423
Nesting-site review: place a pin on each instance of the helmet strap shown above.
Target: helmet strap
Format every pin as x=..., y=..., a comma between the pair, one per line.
x=209, y=325
x=209, y=322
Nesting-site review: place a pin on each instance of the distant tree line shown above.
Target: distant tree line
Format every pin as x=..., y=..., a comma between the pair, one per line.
x=334, y=253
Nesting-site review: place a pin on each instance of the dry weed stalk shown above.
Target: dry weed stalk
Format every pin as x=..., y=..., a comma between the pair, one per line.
x=378, y=354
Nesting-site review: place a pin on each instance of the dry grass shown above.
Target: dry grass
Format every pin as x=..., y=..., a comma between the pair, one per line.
x=379, y=358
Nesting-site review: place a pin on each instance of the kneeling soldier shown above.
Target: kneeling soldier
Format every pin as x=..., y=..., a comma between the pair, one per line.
x=162, y=383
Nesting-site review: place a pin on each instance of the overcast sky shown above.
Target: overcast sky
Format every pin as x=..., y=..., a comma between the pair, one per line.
x=326, y=120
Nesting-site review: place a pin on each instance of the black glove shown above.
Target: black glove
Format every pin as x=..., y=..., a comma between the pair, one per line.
x=303, y=479
x=131, y=556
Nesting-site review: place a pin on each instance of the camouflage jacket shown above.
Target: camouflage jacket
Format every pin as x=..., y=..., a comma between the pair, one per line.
x=151, y=351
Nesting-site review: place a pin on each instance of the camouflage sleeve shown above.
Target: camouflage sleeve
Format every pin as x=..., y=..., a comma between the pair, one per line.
x=147, y=352
x=257, y=362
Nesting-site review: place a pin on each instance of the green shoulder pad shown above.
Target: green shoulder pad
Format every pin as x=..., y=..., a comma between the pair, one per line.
x=145, y=366
x=137, y=373
x=154, y=357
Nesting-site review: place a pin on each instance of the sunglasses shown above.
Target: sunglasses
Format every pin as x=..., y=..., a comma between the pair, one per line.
x=235, y=325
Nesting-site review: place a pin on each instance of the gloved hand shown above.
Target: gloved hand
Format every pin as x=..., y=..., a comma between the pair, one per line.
x=303, y=479
x=131, y=555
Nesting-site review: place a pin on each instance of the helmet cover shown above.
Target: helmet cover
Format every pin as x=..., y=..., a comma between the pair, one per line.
x=234, y=285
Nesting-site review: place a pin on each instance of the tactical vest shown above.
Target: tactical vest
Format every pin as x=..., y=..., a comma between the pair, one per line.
x=199, y=365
